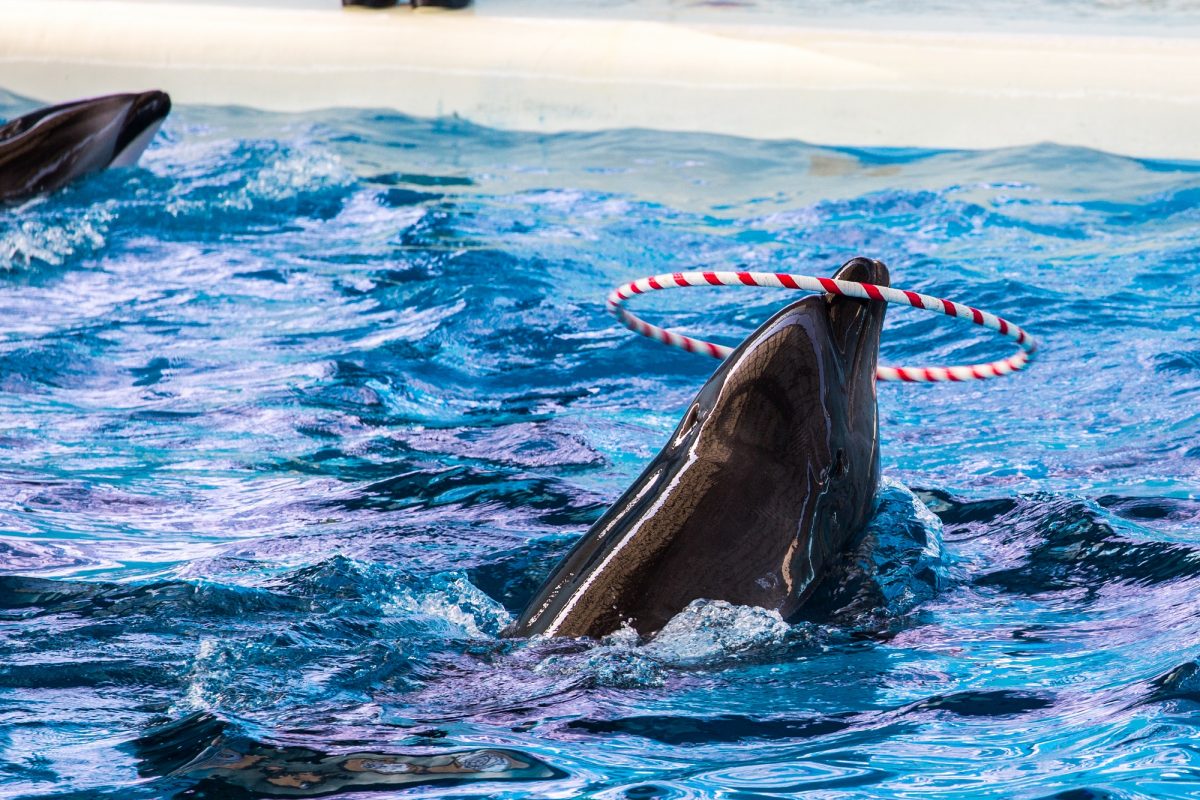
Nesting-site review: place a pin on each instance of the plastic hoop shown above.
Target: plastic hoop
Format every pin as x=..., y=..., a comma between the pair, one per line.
x=865, y=291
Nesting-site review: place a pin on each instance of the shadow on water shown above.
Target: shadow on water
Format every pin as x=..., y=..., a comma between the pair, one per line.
x=738, y=728
x=511, y=577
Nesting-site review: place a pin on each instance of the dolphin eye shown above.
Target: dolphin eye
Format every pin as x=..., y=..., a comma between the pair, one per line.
x=689, y=421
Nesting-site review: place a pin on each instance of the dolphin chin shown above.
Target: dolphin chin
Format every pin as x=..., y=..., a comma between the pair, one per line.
x=142, y=122
x=771, y=474
x=51, y=147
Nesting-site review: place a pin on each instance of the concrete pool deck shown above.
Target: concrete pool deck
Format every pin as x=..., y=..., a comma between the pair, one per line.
x=1131, y=94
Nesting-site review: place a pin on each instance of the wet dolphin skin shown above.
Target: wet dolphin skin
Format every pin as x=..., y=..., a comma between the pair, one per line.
x=769, y=475
x=51, y=147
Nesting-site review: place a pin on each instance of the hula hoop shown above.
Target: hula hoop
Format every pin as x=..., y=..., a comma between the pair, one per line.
x=864, y=291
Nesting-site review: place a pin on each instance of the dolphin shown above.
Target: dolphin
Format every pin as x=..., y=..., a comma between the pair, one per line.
x=47, y=149
x=770, y=475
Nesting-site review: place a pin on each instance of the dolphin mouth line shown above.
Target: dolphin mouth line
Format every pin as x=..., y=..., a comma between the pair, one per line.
x=1028, y=345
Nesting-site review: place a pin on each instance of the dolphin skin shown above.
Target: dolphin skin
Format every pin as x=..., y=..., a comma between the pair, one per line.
x=770, y=475
x=51, y=147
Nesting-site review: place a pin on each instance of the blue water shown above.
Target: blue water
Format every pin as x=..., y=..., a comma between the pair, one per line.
x=296, y=414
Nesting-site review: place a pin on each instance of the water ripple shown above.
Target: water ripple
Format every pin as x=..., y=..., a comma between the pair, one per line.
x=295, y=416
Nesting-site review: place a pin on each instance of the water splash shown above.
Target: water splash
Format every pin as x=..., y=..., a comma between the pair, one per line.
x=41, y=233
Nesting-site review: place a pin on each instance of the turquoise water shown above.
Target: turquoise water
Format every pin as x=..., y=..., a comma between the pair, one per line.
x=297, y=413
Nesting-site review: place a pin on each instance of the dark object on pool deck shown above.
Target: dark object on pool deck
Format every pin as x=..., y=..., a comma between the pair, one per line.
x=47, y=149
x=413, y=3
x=769, y=476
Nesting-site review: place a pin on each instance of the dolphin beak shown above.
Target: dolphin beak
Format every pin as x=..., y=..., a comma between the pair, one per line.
x=856, y=324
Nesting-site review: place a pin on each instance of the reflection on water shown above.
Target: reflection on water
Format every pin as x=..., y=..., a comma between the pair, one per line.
x=233, y=767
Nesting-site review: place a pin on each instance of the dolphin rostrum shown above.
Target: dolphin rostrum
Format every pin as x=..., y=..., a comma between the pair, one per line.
x=48, y=148
x=769, y=476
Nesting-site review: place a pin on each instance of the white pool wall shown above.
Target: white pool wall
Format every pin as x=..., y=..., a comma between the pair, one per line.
x=1131, y=94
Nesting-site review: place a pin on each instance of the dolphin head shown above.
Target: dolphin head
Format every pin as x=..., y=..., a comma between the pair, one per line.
x=762, y=398
x=53, y=146
x=768, y=477
x=788, y=425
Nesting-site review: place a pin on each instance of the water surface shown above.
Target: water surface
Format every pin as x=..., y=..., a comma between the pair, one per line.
x=296, y=414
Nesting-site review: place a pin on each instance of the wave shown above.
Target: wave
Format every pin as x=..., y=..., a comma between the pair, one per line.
x=699, y=730
x=53, y=233
x=1046, y=543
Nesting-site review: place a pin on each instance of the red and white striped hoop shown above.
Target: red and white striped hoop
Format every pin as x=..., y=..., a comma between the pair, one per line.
x=865, y=291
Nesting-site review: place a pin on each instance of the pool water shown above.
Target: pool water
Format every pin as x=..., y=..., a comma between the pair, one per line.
x=296, y=414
